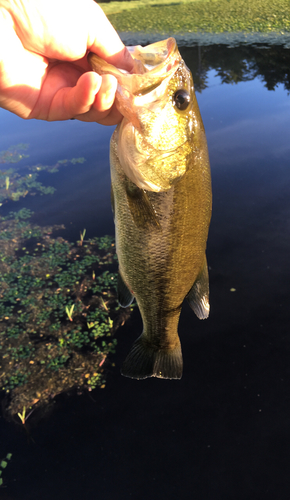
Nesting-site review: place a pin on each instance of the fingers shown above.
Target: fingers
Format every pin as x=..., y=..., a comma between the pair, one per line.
x=79, y=99
x=91, y=99
x=103, y=109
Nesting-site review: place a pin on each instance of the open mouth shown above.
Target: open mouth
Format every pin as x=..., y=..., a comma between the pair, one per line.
x=152, y=65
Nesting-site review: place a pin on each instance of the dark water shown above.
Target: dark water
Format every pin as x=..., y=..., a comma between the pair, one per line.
x=223, y=431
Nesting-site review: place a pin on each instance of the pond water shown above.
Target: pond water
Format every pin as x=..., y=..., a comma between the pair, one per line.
x=222, y=432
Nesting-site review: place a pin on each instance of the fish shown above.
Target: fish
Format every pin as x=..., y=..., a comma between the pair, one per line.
x=161, y=200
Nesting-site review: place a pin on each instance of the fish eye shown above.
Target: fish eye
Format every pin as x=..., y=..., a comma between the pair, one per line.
x=181, y=99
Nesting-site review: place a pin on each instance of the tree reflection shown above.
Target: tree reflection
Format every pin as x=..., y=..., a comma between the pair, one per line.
x=239, y=64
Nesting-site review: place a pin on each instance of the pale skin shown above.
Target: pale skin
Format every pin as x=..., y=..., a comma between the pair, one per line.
x=44, y=73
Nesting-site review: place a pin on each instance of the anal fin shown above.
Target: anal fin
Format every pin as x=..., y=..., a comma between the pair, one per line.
x=198, y=296
x=125, y=297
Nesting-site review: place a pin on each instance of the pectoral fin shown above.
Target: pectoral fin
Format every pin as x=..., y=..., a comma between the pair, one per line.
x=125, y=297
x=140, y=207
x=198, y=297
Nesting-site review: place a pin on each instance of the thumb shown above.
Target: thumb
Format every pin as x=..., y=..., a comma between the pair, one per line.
x=104, y=41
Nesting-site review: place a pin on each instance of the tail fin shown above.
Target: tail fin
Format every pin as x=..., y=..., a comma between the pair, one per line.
x=145, y=361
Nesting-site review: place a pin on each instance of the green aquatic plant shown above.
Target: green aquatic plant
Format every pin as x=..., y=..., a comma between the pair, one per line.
x=3, y=465
x=23, y=416
x=43, y=282
x=15, y=185
x=13, y=154
x=82, y=237
x=95, y=380
x=52, y=169
x=69, y=311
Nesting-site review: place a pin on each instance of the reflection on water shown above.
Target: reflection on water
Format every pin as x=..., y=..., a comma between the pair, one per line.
x=239, y=64
x=230, y=411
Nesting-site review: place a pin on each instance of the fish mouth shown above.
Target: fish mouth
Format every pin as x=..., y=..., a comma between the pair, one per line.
x=152, y=64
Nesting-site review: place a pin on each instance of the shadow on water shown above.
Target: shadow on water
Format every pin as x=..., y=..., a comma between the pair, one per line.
x=222, y=432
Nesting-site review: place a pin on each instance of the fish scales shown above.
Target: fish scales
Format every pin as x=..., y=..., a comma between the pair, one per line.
x=161, y=192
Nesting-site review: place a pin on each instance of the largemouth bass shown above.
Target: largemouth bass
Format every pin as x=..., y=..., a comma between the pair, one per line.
x=161, y=198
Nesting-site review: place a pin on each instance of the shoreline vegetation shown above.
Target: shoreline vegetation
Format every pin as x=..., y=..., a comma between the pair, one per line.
x=199, y=16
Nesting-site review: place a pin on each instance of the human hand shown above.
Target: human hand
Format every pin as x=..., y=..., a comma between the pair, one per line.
x=44, y=72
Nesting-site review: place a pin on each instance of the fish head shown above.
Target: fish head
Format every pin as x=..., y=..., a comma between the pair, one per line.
x=157, y=100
